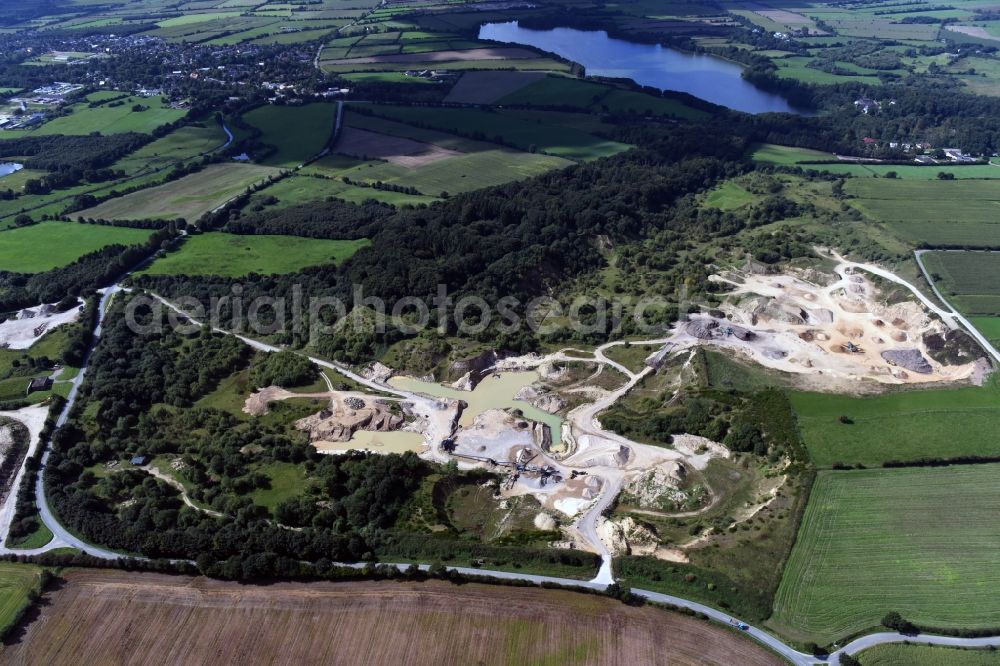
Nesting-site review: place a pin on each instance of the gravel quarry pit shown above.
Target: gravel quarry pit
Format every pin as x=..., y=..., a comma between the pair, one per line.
x=347, y=413
x=835, y=331
x=842, y=330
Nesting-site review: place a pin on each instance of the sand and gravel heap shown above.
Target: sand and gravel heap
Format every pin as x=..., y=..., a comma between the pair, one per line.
x=835, y=327
x=545, y=522
x=659, y=489
x=6, y=438
x=347, y=414
x=910, y=359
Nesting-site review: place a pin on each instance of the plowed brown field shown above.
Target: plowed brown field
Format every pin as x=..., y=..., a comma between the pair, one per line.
x=130, y=618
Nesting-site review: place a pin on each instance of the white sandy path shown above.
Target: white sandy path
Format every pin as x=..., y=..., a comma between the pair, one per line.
x=179, y=487
x=34, y=420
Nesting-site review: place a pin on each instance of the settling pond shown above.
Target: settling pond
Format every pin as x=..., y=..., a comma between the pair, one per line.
x=493, y=392
x=707, y=77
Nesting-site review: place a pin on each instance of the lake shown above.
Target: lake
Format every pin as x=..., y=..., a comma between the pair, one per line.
x=394, y=441
x=707, y=77
x=7, y=168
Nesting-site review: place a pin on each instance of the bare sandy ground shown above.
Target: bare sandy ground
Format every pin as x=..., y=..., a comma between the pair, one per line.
x=348, y=416
x=33, y=418
x=831, y=328
x=500, y=53
x=22, y=333
x=6, y=439
x=838, y=331
x=395, y=149
x=972, y=31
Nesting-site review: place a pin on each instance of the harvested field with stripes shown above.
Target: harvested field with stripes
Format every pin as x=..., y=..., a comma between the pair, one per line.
x=132, y=618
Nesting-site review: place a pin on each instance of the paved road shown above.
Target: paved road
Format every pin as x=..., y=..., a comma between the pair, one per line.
x=774, y=643
x=761, y=636
x=34, y=421
x=229, y=139
x=871, y=640
x=973, y=331
x=265, y=347
x=64, y=538
x=950, y=316
x=794, y=656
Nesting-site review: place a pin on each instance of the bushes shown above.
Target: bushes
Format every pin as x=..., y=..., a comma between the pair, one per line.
x=25, y=520
x=81, y=334
x=82, y=153
x=33, y=594
x=690, y=581
x=941, y=462
x=332, y=218
x=896, y=622
x=421, y=547
x=772, y=412
x=285, y=368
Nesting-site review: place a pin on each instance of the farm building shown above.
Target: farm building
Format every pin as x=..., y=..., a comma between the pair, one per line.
x=39, y=384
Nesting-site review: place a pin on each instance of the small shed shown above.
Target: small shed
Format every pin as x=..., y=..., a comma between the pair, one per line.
x=139, y=461
x=39, y=384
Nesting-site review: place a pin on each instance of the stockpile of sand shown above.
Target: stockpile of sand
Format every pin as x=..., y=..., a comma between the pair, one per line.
x=843, y=330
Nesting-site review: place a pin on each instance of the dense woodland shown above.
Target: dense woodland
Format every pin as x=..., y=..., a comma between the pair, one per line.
x=517, y=240
x=523, y=240
x=284, y=368
x=761, y=423
x=332, y=218
x=70, y=160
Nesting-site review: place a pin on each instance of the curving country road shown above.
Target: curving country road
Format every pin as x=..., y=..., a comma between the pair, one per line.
x=973, y=331
x=950, y=316
x=880, y=638
x=63, y=538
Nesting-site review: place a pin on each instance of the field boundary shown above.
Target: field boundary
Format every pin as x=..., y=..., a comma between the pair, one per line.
x=980, y=338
